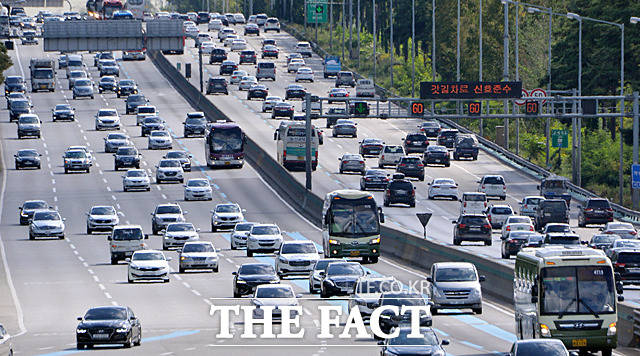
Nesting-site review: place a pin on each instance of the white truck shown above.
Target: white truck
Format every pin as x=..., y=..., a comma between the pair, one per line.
x=43, y=74
x=365, y=88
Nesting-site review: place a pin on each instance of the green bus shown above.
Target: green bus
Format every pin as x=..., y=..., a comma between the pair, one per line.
x=351, y=225
x=567, y=293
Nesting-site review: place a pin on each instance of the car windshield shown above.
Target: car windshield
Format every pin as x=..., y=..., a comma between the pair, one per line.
x=27, y=153
x=377, y=286
x=107, y=113
x=376, y=172
x=229, y=208
x=168, y=209
x=521, y=235
x=46, y=73
x=13, y=80
x=493, y=180
x=147, y=256
x=628, y=257
x=127, y=82
x=28, y=120
x=426, y=338
x=502, y=210
x=275, y=292
x=558, y=228
x=474, y=220
x=393, y=149
x=195, y=121
x=46, y=215
x=298, y=248
x=103, y=210
x=620, y=226
x=519, y=220
x=256, y=269
x=468, y=142
x=126, y=151
x=159, y=134
x=181, y=227
x=60, y=107
x=437, y=149
x=136, y=99
x=106, y=314
x=344, y=269
x=541, y=348
x=598, y=204
x=117, y=136
x=75, y=154
x=265, y=230
x=534, y=201
x=136, y=174
x=203, y=247
x=456, y=274
x=83, y=83
x=127, y=234
x=601, y=239
x=444, y=181
x=176, y=154
x=20, y=104
x=198, y=183
x=577, y=290
x=79, y=74
x=626, y=243
x=30, y=205
x=243, y=227
x=554, y=206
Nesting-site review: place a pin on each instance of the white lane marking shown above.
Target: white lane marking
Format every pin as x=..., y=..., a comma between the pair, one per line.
x=196, y=292
x=108, y=188
x=177, y=276
x=229, y=260
x=164, y=196
x=55, y=198
x=95, y=278
x=72, y=246
x=53, y=181
x=85, y=264
x=113, y=197
x=306, y=311
x=104, y=180
x=90, y=271
x=101, y=286
x=54, y=189
x=81, y=259
x=107, y=295
x=186, y=285
x=114, y=303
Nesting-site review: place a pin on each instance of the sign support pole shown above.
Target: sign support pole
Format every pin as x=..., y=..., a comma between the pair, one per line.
x=635, y=192
x=307, y=165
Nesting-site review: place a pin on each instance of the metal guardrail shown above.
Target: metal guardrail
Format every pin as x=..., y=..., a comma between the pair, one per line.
x=636, y=323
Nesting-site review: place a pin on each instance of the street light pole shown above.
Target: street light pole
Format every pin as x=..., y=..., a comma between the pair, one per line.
x=413, y=48
x=391, y=41
x=517, y=74
x=358, y=26
x=480, y=123
x=635, y=192
x=433, y=49
x=375, y=39
x=331, y=26
x=505, y=69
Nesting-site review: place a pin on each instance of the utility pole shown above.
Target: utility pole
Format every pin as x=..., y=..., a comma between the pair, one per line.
x=343, y=27
x=458, y=54
x=375, y=40
x=517, y=75
x=391, y=49
x=413, y=48
x=331, y=26
x=308, y=163
x=358, y=26
x=622, y=109
x=636, y=131
x=315, y=16
x=350, y=29
x=433, y=49
x=480, y=123
x=505, y=70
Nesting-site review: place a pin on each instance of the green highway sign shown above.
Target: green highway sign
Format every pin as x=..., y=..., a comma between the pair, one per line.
x=317, y=12
x=361, y=108
x=560, y=138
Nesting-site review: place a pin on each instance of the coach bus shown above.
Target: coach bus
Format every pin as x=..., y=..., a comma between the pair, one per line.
x=291, y=141
x=224, y=145
x=351, y=225
x=567, y=293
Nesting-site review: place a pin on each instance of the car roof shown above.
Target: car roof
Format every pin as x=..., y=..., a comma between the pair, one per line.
x=454, y=264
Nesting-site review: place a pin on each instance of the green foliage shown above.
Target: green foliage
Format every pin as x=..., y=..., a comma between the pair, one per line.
x=5, y=62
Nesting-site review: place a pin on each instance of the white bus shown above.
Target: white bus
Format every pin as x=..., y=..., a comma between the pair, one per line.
x=567, y=293
x=291, y=145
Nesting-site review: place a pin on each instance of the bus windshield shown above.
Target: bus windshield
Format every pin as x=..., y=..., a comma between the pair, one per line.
x=226, y=140
x=353, y=219
x=577, y=290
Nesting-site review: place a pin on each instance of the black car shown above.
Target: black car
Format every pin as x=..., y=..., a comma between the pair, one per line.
x=107, y=84
x=133, y=101
x=374, y=179
x=228, y=67
x=415, y=143
x=465, y=146
x=371, y=147
x=411, y=167
x=399, y=299
x=514, y=241
x=127, y=87
x=340, y=278
x=400, y=190
x=19, y=107
x=195, y=124
x=107, y=326
x=126, y=157
x=63, y=112
x=27, y=209
x=257, y=91
x=595, y=211
x=402, y=344
x=436, y=154
x=472, y=227
x=27, y=158
x=447, y=137
x=218, y=55
x=602, y=241
x=203, y=17
x=14, y=83
x=251, y=29
x=248, y=56
x=626, y=262
x=217, y=85
x=295, y=91
x=183, y=157
x=151, y=124
x=282, y=110
x=251, y=275
x=430, y=128
x=551, y=211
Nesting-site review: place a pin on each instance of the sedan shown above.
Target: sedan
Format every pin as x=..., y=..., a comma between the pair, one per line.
x=435, y=154
x=178, y=233
x=148, y=265
x=239, y=235
x=169, y=170
x=238, y=44
x=622, y=229
x=345, y=127
x=277, y=296
x=207, y=47
x=282, y=109
x=115, y=140
x=14, y=96
x=270, y=51
x=546, y=347
x=296, y=257
x=159, y=140
x=516, y=240
x=374, y=179
x=304, y=74
x=371, y=147
x=110, y=70
x=295, y=64
x=352, y=163
x=269, y=102
x=183, y=157
x=28, y=208
x=126, y=157
x=252, y=29
x=83, y=88
x=101, y=218
x=246, y=82
x=498, y=214
x=198, y=255
x=443, y=188
x=248, y=56
x=63, y=112
x=338, y=93
x=144, y=111
x=295, y=91
x=516, y=223
x=27, y=158
x=251, y=275
x=259, y=91
x=229, y=40
x=402, y=344
x=237, y=76
x=91, y=329
x=152, y=123
x=228, y=67
x=226, y=216
x=136, y=179
x=198, y=189
x=340, y=278
x=46, y=223
x=133, y=101
x=107, y=119
x=602, y=241
x=127, y=87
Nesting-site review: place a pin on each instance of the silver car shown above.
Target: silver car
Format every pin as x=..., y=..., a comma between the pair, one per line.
x=169, y=169
x=352, y=163
x=177, y=234
x=622, y=229
x=83, y=88
x=165, y=214
x=296, y=257
x=498, y=214
x=46, y=223
x=269, y=102
x=443, y=188
x=159, y=140
x=315, y=277
x=101, y=217
x=529, y=204
x=107, y=119
x=198, y=255
x=115, y=140
x=345, y=127
x=239, y=235
x=226, y=216
x=136, y=179
x=276, y=295
x=455, y=285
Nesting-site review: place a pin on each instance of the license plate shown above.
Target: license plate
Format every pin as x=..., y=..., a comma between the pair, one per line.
x=416, y=143
x=43, y=85
x=355, y=253
x=227, y=163
x=474, y=229
x=300, y=157
x=228, y=158
x=578, y=342
x=437, y=160
x=101, y=336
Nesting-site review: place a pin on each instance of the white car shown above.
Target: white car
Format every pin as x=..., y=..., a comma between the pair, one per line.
x=516, y=223
x=622, y=229
x=165, y=214
x=304, y=73
x=272, y=24
x=145, y=111
x=160, y=140
x=529, y=204
x=86, y=150
x=276, y=295
x=6, y=342
x=136, y=179
x=222, y=34
x=443, y=188
x=46, y=223
x=229, y=39
x=101, y=217
x=148, y=265
x=473, y=203
x=239, y=235
x=264, y=238
x=214, y=25
x=169, y=169
x=390, y=155
x=134, y=55
x=493, y=186
x=247, y=81
x=304, y=48
x=107, y=119
x=226, y=216
x=198, y=189
x=238, y=44
x=498, y=214
x=296, y=257
x=295, y=64
x=239, y=18
x=237, y=76
x=269, y=102
x=115, y=140
x=198, y=255
x=191, y=31
x=202, y=37
x=368, y=291
x=207, y=47
x=177, y=234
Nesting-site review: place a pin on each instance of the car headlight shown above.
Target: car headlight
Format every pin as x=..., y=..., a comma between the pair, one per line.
x=240, y=281
x=334, y=242
x=374, y=241
x=612, y=329
x=475, y=292
x=81, y=331
x=122, y=330
x=283, y=260
x=385, y=316
x=544, y=331
x=22, y=213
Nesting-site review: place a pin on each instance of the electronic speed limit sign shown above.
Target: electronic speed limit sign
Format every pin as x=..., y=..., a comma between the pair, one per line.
x=417, y=109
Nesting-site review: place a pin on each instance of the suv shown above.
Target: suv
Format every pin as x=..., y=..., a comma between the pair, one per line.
x=465, y=146
x=266, y=70
x=595, y=211
x=126, y=157
x=272, y=24
x=498, y=214
x=400, y=190
x=411, y=167
x=218, y=55
x=447, y=137
x=550, y=211
x=473, y=203
x=415, y=143
x=493, y=186
x=124, y=241
x=472, y=227
x=626, y=263
x=248, y=56
x=165, y=214
x=195, y=124
x=345, y=78
x=455, y=285
x=529, y=204
x=217, y=85
x=390, y=155
x=304, y=48
x=133, y=101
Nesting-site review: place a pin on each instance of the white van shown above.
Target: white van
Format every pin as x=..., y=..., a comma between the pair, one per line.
x=473, y=203
x=493, y=186
x=124, y=240
x=390, y=155
x=365, y=88
x=291, y=140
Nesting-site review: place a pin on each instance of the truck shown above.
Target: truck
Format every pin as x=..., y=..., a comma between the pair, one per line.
x=103, y=9
x=43, y=74
x=331, y=65
x=555, y=187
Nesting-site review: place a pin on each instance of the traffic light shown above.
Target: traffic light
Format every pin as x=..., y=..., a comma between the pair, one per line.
x=417, y=109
